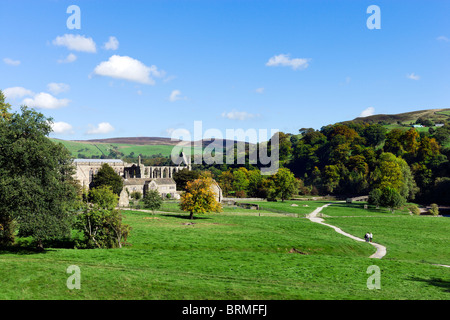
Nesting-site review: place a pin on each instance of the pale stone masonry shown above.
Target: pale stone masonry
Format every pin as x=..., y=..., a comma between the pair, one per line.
x=136, y=177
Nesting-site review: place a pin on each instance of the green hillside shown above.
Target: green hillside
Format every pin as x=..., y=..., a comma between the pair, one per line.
x=113, y=150
x=407, y=118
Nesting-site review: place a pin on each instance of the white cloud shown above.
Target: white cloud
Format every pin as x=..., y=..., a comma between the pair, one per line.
x=127, y=68
x=62, y=128
x=239, y=115
x=11, y=62
x=69, y=59
x=17, y=92
x=112, y=44
x=45, y=100
x=370, y=111
x=443, y=39
x=101, y=128
x=259, y=90
x=176, y=95
x=76, y=43
x=285, y=61
x=413, y=76
x=57, y=88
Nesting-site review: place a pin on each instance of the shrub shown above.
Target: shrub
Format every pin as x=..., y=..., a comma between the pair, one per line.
x=152, y=200
x=414, y=209
x=434, y=210
x=102, y=228
x=240, y=194
x=103, y=197
x=136, y=195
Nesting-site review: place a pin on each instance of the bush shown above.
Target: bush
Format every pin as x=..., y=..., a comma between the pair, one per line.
x=102, y=228
x=414, y=209
x=136, y=195
x=152, y=200
x=103, y=197
x=434, y=210
x=240, y=194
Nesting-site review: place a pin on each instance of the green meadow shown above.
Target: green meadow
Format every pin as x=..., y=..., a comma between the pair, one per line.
x=98, y=149
x=245, y=254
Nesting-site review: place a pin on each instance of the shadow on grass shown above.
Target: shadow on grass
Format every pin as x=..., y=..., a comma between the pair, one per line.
x=19, y=250
x=26, y=246
x=184, y=216
x=445, y=285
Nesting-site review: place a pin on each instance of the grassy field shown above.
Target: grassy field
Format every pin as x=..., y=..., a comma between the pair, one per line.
x=238, y=254
x=412, y=238
x=99, y=149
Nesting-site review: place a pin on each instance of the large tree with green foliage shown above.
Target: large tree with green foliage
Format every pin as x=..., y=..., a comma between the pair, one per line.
x=285, y=184
x=106, y=176
x=183, y=176
x=36, y=186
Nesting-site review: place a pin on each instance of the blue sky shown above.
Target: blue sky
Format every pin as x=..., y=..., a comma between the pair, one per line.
x=231, y=64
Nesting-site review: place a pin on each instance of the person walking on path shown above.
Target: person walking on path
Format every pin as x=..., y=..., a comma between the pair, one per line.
x=366, y=237
x=370, y=237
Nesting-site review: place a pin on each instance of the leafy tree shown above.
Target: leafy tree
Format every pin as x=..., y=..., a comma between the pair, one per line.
x=37, y=189
x=240, y=179
x=255, y=181
x=394, y=142
x=102, y=228
x=442, y=135
x=331, y=177
x=285, y=184
x=152, y=200
x=183, y=176
x=106, y=176
x=4, y=107
x=103, y=197
x=199, y=198
x=225, y=181
x=375, y=197
x=285, y=148
x=374, y=134
x=388, y=172
x=391, y=198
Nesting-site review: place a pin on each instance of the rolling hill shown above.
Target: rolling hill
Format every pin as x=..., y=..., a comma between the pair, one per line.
x=152, y=146
x=435, y=115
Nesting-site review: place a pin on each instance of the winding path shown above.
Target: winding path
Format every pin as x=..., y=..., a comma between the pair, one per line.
x=381, y=250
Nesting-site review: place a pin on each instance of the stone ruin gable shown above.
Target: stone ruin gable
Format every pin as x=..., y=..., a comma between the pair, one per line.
x=217, y=191
x=87, y=168
x=164, y=186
